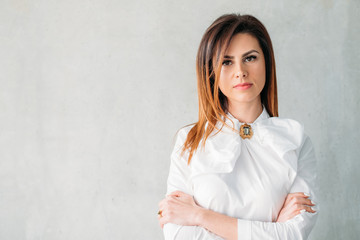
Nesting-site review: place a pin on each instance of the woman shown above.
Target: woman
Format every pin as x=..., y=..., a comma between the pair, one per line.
x=240, y=172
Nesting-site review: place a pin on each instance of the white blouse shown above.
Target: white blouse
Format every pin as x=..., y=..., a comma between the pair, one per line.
x=248, y=179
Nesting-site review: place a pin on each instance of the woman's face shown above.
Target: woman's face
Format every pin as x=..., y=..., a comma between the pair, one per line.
x=243, y=73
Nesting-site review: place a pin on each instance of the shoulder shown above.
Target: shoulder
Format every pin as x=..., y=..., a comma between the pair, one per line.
x=297, y=130
x=183, y=132
x=286, y=132
x=180, y=138
x=286, y=123
x=290, y=127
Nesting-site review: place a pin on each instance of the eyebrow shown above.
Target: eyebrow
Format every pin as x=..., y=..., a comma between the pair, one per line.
x=247, y=53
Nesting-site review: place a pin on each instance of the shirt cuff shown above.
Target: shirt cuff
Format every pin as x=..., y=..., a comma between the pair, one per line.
x=244, y=229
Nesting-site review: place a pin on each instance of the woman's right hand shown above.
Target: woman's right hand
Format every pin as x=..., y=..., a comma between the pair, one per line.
x=294, y=203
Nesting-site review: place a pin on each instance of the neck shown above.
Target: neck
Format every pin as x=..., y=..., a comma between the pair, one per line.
x=246, y=112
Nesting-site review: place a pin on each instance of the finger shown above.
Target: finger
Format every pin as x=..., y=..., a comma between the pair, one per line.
x=166, y=199
x=165, y=204
x=312, y=203
x=177, y=193
x=293, y=196
x=302, y=200
x=171, y=197
x=306, y=195
x=306, y=201
x=161, y=203
x=299, y=194
x=160, y=213
x=301, y=208
x=162, y=221
x=309, y=209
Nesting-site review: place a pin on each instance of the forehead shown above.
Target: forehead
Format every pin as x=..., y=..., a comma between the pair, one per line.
x=241, y=43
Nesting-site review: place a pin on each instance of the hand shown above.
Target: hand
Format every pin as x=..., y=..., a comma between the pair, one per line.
x=179, y=208
x=294, y=203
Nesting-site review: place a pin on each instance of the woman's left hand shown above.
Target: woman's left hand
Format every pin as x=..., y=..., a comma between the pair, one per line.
x=179, y=208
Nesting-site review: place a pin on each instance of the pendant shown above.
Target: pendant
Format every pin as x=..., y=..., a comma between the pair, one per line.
x=246, y=131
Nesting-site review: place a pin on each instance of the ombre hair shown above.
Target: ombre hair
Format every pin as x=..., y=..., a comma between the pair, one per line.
x=213, y=104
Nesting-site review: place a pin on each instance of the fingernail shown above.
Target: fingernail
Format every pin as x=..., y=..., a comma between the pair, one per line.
x=313, y=202
x=303, y=210
x=306, y=194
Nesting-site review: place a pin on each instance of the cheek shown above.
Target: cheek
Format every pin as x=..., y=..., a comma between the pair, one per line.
x=260, y=75
x=225, y=81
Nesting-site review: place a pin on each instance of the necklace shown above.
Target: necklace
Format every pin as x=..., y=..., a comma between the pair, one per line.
x=246, y=131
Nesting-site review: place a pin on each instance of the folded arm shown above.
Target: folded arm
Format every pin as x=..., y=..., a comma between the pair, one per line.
x=212, y=225
x=300, y=226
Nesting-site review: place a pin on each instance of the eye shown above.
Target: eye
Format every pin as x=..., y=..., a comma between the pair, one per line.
x=250, y=58
x=226, y=62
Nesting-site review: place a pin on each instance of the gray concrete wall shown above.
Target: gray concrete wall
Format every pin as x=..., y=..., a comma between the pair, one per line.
x=92, y=93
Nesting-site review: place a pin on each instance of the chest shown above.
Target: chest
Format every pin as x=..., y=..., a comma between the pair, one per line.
x=257, y=186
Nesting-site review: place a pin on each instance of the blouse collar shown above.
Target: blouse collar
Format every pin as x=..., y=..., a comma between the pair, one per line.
x=264, y=115
x=282, y=136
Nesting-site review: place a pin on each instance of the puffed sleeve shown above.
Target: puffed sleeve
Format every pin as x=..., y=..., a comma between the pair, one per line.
x=179, y=170
x=178, y=179
x=301, y=225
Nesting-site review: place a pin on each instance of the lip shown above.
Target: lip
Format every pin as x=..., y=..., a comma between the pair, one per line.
x=243, y=86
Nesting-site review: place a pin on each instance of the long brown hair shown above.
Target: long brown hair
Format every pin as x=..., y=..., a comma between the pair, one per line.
x=213, y=104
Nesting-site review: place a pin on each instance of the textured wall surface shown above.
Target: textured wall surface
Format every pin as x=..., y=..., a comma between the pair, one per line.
x=93, y=91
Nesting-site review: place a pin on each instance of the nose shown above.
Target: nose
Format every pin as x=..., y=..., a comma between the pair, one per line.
x=241, y=71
